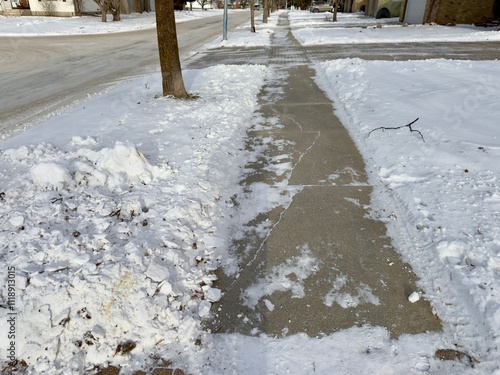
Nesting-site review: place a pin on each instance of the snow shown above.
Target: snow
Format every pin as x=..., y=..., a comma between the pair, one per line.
x=414, y=297
x=289, y=276
x=115, y=214
x=312, y=31
x=38, y=25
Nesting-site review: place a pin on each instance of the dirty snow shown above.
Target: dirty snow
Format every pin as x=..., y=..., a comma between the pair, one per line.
x=112, y=226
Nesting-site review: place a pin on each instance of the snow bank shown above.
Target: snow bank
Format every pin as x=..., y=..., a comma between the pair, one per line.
x=438, y=190
x=112, y=239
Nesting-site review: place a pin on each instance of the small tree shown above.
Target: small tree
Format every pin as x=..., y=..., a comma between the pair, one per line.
x=109, y=6
x=202, y=3
x=171, y=73
x=114, y=9
x=78, y=5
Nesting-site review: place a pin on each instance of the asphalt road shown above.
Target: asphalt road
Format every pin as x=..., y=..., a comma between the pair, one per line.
x=43, y=74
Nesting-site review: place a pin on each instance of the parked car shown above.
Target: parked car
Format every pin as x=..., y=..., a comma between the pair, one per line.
x=323, y=6
x=388, y=8
x=320, y=6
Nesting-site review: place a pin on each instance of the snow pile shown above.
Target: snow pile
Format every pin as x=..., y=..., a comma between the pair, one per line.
x=122, y=165
x=113, y=242
x=50, y=176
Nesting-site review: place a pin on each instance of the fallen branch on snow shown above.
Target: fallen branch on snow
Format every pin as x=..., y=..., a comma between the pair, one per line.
x=399, y=127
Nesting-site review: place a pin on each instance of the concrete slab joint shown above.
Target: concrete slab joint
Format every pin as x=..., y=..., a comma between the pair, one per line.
x=324, y=265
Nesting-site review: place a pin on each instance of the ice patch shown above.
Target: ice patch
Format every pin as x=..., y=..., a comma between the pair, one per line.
x=289, y=276
x=364, y=294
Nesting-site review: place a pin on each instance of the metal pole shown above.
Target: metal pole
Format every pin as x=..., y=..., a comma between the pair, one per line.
x=224, y=22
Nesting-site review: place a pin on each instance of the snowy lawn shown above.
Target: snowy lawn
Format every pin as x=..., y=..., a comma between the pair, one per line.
x=437, y=187
x=24, y=26
x=356, y=29
x=115, y=215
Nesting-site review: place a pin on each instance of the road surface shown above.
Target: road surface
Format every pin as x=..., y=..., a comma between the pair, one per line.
x=42, y=74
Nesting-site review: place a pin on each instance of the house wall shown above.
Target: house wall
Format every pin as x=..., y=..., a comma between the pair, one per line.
x=459, y=11
x=353, y=6
x=59, y=8
x=65, y=8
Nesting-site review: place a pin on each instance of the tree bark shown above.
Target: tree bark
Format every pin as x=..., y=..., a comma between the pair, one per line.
x=172, y=82
x=252, y=16
x=116, y=10
x=265, y=8
x=103, y=12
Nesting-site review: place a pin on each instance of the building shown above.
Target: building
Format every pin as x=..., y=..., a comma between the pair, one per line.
x=445, y=12
x=62, y=8
x=353, y=6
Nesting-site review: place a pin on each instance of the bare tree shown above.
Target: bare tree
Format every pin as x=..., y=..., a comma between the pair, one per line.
x=114, y=9
x=265, y=11
x=202, y=3
x=171, y=73
x=141, y=6
x=78, y=5
x=109, y=6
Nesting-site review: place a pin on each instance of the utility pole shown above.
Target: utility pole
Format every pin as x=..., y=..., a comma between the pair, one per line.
x=224, y=22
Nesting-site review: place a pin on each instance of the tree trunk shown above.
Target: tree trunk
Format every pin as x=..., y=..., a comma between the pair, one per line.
x=103, y=12
x=171, y=73
x=265, y=8
x=252, y=16
x=335, y=10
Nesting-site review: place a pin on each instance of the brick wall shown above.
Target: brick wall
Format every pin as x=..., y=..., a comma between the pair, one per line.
x=459, y=11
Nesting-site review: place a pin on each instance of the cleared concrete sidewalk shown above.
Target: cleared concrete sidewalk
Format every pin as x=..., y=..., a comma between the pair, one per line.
x=325, y=264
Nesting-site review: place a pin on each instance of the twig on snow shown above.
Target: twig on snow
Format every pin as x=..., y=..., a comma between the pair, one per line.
x=399, y=127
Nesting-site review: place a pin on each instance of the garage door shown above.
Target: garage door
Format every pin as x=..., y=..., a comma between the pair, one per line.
x=415, y=10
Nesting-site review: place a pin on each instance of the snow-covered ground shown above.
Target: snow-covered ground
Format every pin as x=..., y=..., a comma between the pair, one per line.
x=355, y=29
x=31, y=26
x=115, y=215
